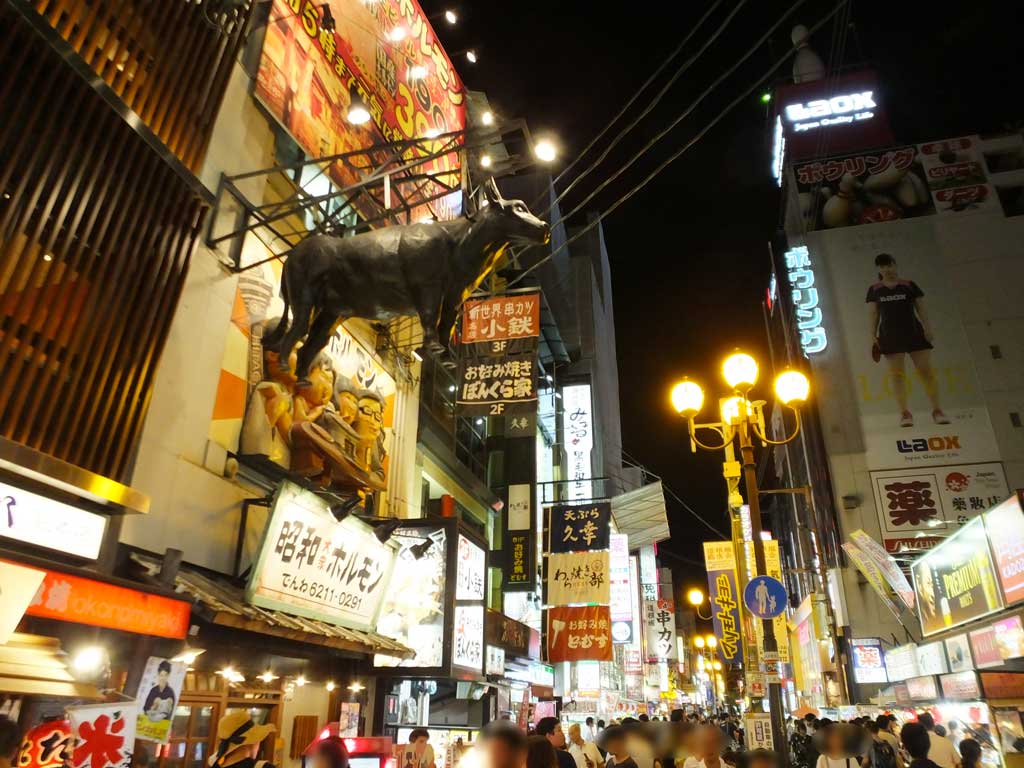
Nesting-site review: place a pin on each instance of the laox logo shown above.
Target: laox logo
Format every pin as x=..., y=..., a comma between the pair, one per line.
x=837, y=105
x=921, y=444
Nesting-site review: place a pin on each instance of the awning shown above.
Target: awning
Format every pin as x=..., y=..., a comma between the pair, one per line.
x=33, y=665
x=224, y=604
x=641, y=515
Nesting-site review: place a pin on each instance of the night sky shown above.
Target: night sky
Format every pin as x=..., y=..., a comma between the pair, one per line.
x=689, y=253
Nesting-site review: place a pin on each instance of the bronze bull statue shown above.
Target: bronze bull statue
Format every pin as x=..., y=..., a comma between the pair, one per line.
x=426, y=269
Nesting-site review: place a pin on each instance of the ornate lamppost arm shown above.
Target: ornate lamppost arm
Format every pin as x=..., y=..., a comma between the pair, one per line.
x=784, y=441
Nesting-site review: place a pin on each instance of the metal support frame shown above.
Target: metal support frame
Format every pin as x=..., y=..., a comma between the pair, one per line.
x=400, y=169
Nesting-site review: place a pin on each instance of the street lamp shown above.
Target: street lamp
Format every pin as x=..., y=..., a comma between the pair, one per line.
x=545, y=151
x=743, y=419
x=695, y=597
x=711, y=641
x=698, y=641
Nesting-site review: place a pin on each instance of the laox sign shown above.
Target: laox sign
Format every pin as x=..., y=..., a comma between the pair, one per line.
x=921, y=445
x=820, y=111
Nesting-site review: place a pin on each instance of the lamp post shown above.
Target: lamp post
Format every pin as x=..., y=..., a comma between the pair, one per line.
x=743, y=420
x=695, y=597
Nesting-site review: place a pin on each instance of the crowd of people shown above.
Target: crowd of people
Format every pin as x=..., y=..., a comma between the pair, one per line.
x=681, y=741
x=717, y=741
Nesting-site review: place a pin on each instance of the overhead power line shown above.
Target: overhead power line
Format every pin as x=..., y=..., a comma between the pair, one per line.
x=693, y=512
x=651, y=104
x=675, y=156
x=687, y=112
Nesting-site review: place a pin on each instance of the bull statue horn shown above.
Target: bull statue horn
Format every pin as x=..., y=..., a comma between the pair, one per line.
x=491, y=191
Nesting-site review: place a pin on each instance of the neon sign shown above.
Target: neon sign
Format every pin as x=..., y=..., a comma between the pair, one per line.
x=805, y=300
x=778, y=151
x=839, y=110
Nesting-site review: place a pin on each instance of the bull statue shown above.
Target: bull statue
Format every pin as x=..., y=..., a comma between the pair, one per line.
x=426, y=269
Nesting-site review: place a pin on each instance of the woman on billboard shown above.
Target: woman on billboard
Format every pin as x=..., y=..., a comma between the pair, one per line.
x=900, y=327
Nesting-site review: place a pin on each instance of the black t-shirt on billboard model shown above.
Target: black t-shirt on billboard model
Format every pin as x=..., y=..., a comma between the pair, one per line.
x=899, y=329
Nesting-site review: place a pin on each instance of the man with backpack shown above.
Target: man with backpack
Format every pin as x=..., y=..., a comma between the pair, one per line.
x=882, y=754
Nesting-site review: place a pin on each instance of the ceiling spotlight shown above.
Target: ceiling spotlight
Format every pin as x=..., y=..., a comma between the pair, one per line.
x=471, y=56
x=343, y=509
x=419, y=550
x=330, y=685
x=301, y=680
x=386, y=530
x=327, y=19
x=88, y=661
x=358, y=112
x=545, y=151
x=47, y=257
x=485, y=161
x=451, y=17
x=189, y=655
x=267, y=677
x=398, y=34
x=356, y=687
x=417, y=72
x=487, y=118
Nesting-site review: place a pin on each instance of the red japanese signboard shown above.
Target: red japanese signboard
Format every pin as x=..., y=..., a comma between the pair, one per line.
x=84, y=601
x=501, y=318
x=580, y=634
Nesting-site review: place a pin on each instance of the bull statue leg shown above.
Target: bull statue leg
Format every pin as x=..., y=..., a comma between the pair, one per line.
x=301, y=309
x=319, y=334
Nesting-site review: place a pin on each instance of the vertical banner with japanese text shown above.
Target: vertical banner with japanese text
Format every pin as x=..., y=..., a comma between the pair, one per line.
x=498, y=356
x=520, y=550
x=660, y=629
x=720, y=561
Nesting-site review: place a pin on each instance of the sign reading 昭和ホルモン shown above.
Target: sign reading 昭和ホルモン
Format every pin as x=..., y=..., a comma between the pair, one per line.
x=315, y=566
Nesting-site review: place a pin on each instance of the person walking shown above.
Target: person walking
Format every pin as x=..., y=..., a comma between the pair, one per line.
x=917, y=743
x=800, y=746
x=970, y=752
x=837, y=753
x=881, y=754
x=942, y=751
x=615, y=745
x=583, y=752
x=551, y=729
x=540, y=753
x=503, y=745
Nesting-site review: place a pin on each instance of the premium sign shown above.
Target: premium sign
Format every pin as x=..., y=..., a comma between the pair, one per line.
x=579, y=634
x=955, y=582
x=578, y=428
x=98, y=604
x=868, y=660
x=29, y=518
x=312, y=565
x=578, y=578
x=470, y=571
x=468, y=638
x=1005, y=527
x=579, y=528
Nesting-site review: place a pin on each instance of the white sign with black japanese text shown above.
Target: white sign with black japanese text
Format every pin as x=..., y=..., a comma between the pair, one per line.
x=43, y=522
x=314, y=566
x=470, y=576
x=468, y=649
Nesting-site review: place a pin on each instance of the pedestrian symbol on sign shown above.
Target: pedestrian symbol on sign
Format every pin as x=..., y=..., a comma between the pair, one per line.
x=765, y=597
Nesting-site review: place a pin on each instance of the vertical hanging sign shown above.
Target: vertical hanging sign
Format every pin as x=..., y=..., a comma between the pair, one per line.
x=720, y=562
x=498, y=356
x=578, y=429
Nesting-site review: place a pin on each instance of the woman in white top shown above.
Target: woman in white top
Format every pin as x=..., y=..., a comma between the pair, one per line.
x=836, y=754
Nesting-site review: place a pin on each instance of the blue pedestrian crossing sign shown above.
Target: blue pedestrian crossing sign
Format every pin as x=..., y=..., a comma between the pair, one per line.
x=765, y=597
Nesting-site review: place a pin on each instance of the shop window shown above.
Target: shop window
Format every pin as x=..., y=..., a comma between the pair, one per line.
x=190, y=743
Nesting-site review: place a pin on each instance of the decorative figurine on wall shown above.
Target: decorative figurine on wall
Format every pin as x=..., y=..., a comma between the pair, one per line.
x=425, y=269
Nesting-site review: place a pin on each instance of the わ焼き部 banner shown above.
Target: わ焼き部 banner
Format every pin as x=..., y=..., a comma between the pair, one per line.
x=387, y=52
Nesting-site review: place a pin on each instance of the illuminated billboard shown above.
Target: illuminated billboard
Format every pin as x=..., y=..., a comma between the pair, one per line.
x=384, y=51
